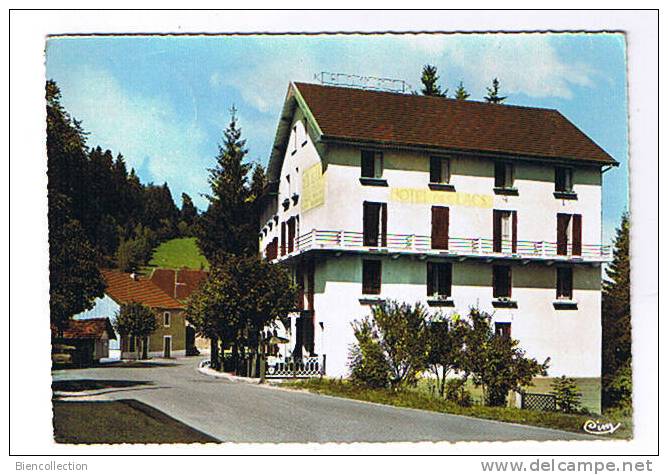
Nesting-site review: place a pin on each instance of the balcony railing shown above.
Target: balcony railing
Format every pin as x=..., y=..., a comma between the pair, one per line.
x=457, y=246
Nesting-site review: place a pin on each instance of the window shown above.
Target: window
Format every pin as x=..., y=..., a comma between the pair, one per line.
x=563, y=180
x=502, y=282
x=292, y=230
x=502, y=329
x=439, y=170
x=294, y=139
x=374, y=224
x=504, y=175
x=283, y=238
x=504, y=231
x=440, y=227
x=305, y=133
x=565, y=283
x=167, y=319
x=569, y=234
x=439, y=279
x=371, y=277
x=372, y=164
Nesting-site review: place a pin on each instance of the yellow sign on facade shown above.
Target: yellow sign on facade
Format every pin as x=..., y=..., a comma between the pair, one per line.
x=313, y=187
x=451, y=198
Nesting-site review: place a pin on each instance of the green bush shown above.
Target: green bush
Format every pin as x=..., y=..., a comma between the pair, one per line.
x=619, y=388
x=455, y=391
x=367, y=363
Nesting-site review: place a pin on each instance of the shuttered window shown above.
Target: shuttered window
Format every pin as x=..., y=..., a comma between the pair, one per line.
x=504, y=232
x=563, y=179
x=371, y=277
x=502, y=329
x=291, y=234
x=439, y=279
x=440, y=227
x=439, y=170
x=565, y=283
x=504, y=175
x=374, y=225
x=372, y=164
x=502, y=281
x=283, y=238
x=569, y=231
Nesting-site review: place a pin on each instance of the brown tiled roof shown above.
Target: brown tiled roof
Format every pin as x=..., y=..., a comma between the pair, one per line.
x=92, y=328
x=178, y=283
x=124, y=289
x=358, y=115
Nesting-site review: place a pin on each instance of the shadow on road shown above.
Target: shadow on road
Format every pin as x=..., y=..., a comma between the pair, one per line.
x=78, y=385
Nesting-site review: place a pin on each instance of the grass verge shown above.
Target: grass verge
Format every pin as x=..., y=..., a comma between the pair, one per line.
x=417, y=399
x=119, y=422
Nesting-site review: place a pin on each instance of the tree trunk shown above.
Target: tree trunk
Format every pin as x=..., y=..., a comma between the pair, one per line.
x=215, y=359
x=144, y=348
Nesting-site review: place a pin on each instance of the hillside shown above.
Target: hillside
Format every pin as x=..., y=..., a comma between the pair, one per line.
x=178, y=253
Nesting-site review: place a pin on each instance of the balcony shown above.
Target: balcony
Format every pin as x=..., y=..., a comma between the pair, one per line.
x=458, y=247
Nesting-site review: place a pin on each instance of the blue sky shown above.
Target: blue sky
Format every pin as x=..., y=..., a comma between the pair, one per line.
x=164, y=101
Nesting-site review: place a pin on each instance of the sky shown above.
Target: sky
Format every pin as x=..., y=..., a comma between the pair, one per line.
x=163, y=101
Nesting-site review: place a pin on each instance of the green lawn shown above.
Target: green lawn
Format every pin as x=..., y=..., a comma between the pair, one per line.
x=421, y=399
x=119, y=422
x=179, y=253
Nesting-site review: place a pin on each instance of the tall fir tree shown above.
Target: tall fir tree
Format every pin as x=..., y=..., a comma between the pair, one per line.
x=188, y=209
x=461, y=94
x=227, y=226
x=429, y=80
x=493, y=96
x=616, y=323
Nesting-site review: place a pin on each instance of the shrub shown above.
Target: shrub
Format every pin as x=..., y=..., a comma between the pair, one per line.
x=367, y=363
x=567, y=395
x=496, y=363
x=455, y=391
x=619, y=388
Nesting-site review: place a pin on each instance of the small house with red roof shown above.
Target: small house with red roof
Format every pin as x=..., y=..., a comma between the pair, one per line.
x=168, y=340
x=89, y=337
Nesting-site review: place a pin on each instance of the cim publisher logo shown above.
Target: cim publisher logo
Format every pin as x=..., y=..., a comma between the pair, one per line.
x=599, y=428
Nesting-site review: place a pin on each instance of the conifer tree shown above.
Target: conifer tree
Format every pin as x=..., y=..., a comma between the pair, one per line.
x=461, y=93
x=227, y=226
x=493, y=96
x=429, y=80
x=616, y=323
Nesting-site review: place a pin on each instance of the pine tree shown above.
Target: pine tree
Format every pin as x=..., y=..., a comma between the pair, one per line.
x=461, y=93
x=616, y=323
x=227, y=226
x=493, y=96
x=188, y=210
x=429, y=80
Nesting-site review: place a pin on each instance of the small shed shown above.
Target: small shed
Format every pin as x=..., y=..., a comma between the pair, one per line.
x=90, y=337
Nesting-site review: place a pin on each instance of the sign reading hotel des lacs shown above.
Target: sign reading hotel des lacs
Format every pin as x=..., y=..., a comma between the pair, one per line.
x=313, y=194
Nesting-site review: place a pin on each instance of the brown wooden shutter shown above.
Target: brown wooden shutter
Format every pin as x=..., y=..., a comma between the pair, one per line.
x=291, y=235
x=367, y=164
x=371, y=215
x=514, y=246
x=310, y=282
x=445, y=279
x=499, y=175
x=509, y=281
x=283, y=238
x=559, y=179
x=383, y=225
x=440, y=217
x=435, y=170
x=501, y=281
x=371, y=277
x=430, y=278
x=495, y=281
x=299, y=276
x=577, y=234
x=562, y=234
x=496, y=231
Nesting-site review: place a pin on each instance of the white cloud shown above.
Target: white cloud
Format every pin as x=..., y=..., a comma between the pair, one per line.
x=524, y=63
x=145, y=129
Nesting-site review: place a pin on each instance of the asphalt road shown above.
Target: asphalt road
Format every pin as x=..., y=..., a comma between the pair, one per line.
x=234, y=411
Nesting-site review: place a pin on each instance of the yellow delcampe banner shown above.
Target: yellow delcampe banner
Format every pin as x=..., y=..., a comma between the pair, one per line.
x=422, y=196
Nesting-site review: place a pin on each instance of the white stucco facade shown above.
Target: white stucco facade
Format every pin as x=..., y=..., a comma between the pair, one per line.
x=330, y=225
